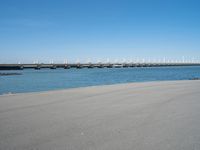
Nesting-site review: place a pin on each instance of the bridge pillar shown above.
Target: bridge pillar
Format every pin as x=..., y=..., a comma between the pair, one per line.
x=90, y=66
x=38, y=67
x=79, y=66
x=21, y=67
x=67, y=67
x=109, y=66
x=53, y=67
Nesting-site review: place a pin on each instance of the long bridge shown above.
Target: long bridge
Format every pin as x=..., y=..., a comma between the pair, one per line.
x=89, y=65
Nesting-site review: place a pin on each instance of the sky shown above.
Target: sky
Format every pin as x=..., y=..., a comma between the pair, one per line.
x=56, y=30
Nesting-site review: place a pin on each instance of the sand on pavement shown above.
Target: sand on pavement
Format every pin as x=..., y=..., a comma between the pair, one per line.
x=136, y=116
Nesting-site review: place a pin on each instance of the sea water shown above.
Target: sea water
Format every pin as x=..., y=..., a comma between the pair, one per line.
x=46, y=79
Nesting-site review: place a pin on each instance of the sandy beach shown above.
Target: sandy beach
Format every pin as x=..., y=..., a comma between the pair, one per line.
x=136, y=116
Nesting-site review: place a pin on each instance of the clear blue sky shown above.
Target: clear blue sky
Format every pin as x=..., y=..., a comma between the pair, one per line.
x=69, y=29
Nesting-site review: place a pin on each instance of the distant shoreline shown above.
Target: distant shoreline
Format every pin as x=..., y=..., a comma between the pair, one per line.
x=10, y=74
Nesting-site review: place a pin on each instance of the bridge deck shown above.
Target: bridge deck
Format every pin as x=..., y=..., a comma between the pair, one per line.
x=90, y=65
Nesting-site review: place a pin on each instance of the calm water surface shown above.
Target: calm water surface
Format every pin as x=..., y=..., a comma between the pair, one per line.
x=45, y=79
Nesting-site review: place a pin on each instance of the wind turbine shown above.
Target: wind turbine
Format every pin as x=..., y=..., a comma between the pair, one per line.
x=77, y=61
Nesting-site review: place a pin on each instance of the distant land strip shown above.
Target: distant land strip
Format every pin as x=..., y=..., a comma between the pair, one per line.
x=9, y=74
